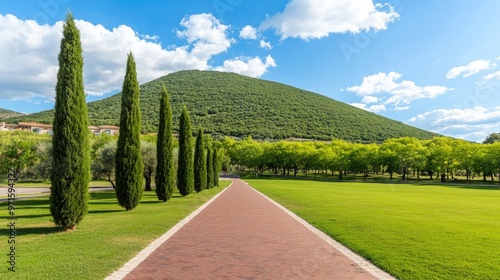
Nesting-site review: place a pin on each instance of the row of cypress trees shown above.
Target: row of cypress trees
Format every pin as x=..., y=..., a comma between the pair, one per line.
x=70, y=174
x=206, y=166
x=201, y=171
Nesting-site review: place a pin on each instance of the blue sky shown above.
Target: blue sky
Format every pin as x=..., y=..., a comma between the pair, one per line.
x=430, y=64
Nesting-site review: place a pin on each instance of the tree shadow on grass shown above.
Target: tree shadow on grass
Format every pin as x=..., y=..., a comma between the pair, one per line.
x=103, y=203
x=105, y=211
x=32, y=230
x=473, y=187
x=152, y=202
x=102, y=195
x=20, y=217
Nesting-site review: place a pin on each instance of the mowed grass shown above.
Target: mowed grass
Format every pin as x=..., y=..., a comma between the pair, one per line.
x=105, y=240
x=410, y=231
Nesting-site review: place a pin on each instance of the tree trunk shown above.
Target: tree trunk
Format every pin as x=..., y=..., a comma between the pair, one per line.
x=113, y=183
x=148, y=183
x=443, y=178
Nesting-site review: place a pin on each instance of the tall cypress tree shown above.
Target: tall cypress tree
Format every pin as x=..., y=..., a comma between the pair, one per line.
x=165, y=170
x=129, y=164
x=216, y=166
x=210, y=168
x=185, y=172
x=71, y=153
x=200, y=165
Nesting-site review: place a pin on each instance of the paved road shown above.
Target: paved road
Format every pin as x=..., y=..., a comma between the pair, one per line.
x=243, y=235
x=36, y=192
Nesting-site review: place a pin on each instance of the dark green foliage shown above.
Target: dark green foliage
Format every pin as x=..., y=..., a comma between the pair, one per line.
x=492, y=138
x=129, y=164
x=165, y=170
x=71, y=153
x=210, y=168
x=217, y=166
x=185, y=172
x=235, y=105
x=200, y=165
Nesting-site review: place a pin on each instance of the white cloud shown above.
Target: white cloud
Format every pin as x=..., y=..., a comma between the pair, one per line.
x=28, y=54
x=149, y=37
x=471, y=124
x=206, y=33
x=253, y=67
x=400, y=93
x=493, y=76
x=377, y=108
x=401, y=108
x=369, y=99
x=265, y=45
x=359, y=105
x=248, y=32
x=311, y=19
x=470, y=69
x=372, y=108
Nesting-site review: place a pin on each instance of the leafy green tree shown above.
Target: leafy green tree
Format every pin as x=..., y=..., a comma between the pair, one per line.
x=103, y=166
x=482, y=161
x=18, y=150
x=492, y=138
x=210, y=168
x=200, y=166
x=439, y=154
x=185, y=171
x=71, y=147
x=43, y=168
x=165, y=169
x=148, y=152
x=129, y=164
x=464, y=153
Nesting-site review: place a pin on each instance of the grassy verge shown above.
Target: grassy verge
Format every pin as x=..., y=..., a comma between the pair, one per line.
x=106, y=239
x=377, y=178
x=411, y=231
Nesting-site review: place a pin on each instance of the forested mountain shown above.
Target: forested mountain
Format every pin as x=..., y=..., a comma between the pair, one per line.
x=4, y=114
x=236, y=105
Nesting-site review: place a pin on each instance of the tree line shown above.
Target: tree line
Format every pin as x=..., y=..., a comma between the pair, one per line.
x=440, y=157
x=68, y=152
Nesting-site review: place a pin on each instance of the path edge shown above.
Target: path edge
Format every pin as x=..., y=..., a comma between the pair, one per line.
x=144, y=253
x=359, y=260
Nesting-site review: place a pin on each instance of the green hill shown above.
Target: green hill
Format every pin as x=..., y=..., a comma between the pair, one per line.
x=235, y=105
x=5, y=114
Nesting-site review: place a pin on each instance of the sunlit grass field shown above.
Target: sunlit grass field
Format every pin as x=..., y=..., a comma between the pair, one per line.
x=105, y=240
x=410, y=231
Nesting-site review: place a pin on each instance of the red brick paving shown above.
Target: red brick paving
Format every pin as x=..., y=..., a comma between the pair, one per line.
x=242, y=235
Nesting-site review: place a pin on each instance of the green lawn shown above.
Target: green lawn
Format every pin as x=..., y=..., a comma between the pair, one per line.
x=106, y=239
x=410, y=231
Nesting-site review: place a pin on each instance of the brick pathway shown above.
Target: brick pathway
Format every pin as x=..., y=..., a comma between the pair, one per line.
x=243, y=235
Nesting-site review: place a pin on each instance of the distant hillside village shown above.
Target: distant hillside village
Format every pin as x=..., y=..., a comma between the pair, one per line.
x=40, y=128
